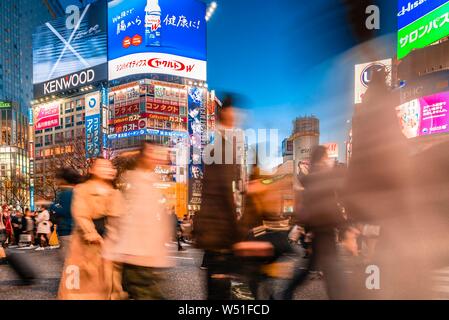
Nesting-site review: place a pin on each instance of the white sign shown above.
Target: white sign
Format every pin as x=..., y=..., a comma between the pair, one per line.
x=332, y=149
x=150, y=62
x=92, y=104
x=363, y=74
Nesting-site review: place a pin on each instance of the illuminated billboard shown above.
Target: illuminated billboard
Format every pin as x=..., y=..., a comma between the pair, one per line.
x=363, y=74
x=157, y=36
x=421, y=23
x=93, y=125
x=424, y=116
x=46, y=116
x=71, y=51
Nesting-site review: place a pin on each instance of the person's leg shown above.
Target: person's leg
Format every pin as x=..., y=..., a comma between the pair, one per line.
x=218, y=280
x=205, y=260
x=326, y=251
x=299, y=277
x=180, y=248
x=16, y=237
x=142, y=283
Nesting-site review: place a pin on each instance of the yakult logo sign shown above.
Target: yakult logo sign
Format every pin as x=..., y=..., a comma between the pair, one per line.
x=170, y=64
x=157, y=63
x=69, y=82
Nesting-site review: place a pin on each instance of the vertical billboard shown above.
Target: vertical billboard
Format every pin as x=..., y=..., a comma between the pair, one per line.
x=71, y=51
x=421, y=23
x=363, y=74
x=93, y=125
x=424, y=116
x=196, y=100
x=157, y=36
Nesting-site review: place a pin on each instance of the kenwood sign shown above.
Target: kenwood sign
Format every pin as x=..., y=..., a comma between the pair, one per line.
x=71, y=51
x=71, y=81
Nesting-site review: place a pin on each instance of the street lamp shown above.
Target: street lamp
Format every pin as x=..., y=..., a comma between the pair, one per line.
x=211, y=10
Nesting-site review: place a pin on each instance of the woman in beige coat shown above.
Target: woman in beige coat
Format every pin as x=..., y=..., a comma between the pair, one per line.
x=86, y=275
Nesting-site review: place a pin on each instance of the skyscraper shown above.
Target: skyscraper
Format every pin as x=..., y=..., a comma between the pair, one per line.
x=17, y=20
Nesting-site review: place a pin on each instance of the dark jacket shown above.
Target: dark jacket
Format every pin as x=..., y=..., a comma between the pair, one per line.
x=319, y=209
x=61, y=207
x=216, y=224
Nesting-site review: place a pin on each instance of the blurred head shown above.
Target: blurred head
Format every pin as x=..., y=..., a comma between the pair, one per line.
x=152, y=154
x=378, y=86
x=226, y=115
x=102, y=169
x=67, y=176
x=319, y=158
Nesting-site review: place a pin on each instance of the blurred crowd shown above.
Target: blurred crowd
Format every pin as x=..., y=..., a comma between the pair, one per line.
x=372, y=230
x=26, y=229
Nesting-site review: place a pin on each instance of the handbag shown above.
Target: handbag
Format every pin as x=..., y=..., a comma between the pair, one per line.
x=54, y=241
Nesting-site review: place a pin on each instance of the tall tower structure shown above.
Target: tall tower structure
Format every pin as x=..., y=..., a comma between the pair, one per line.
x=306, y=136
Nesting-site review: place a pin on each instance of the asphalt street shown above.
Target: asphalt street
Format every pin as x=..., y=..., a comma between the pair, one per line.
x=185, y=281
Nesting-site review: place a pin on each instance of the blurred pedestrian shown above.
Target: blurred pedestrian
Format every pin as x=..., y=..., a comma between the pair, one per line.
x=43, y=230
x=378, y=192
x=66, y=179
x=27, y=236
x=8, y=225
x=215, y=226
x=86, y=275
x=177, y=232
x=320, y=213
x=144, y=228
x=3, y=235
x=17, y=222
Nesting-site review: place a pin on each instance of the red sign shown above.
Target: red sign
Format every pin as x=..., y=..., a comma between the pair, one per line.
x=48, y=117
x=165, y=117
x=162, y=107
x=127, y=119
x=332, y=149
x=126, y=42
x=170, y=64
x=136, y=40
x=126, y=110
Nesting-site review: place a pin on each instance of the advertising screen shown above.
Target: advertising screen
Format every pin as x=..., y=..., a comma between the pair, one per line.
x=46, y=116
x=421, y=23
x=411, y=10
x=196, y=103
x=71, y=51
x=363, y=73
x=93, y=125
x=157, y=36
x=423, y=116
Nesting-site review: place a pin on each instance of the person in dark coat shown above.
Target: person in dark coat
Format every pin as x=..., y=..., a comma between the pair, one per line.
x=67, y=179
x=378, y=192
x=215, y=226
x=321, y=215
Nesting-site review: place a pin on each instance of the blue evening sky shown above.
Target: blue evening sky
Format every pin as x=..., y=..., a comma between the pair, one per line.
x=289, y=58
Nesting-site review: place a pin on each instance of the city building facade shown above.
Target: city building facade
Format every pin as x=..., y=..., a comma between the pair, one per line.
x=16, y=93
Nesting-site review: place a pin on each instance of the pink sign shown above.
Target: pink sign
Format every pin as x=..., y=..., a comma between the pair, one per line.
x=434, y=114
x=48, y=117
x=427, y=115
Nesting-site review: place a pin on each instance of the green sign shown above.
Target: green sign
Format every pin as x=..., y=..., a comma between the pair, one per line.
x=4, y=104
x=424, y=31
